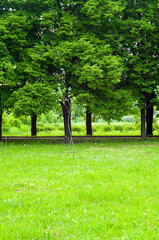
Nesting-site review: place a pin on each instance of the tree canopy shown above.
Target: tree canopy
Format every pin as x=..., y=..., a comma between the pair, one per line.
x=99, y=52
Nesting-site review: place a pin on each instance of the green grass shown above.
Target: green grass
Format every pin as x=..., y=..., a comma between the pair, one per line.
x=105, y=190
x=50, y=125
x=78, y=129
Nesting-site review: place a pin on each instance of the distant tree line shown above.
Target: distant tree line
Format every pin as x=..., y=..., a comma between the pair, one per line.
x=102, y=53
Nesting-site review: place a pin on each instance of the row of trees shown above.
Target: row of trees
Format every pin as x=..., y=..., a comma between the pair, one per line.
x=102, y=53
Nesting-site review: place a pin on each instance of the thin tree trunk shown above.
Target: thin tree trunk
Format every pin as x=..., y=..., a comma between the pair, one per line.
x=143, y=123
x=88, y=122
x=0, y=127
x=149, y=119
x=66, y=108
x=33, y=125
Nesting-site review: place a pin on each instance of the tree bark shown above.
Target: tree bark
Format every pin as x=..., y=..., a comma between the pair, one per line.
x=0, y=127
x=33, y=125
x=88, y=122
x=66, y=108
x=143, y=135
x=149, y=119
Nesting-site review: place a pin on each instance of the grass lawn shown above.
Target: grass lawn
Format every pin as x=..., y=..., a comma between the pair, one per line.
x=107, y=189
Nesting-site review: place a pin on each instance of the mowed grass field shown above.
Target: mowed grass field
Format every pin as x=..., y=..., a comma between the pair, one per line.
x=103, y=189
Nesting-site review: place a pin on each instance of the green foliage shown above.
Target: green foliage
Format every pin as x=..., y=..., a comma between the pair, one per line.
x=90, y=50
x=137, y=26
x=107, y=128
x=6, y=76
x=21, y=126
x=45, y=127
x=76, y=128
x=32, y=99
x=84, y=64
x=118, y=128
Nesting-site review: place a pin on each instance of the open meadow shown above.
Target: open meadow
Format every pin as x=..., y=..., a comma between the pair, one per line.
x=96, y=189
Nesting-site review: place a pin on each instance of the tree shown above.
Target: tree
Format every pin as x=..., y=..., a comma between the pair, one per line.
x=23, y=31
x=95, y=18
x=91, y=73
x=88, y=122
x=71, y=39
x=135, y=39
x=99, y=73
x=32, y=100
x=6, y=80
x=66, y=43
x=131, y=29
x=10, y=38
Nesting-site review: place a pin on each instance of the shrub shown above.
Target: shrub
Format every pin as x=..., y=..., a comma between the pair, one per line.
x=13, y=131
x=118, y=127
x=25, y=128
x=130, y=127
x=60, y=127
x=51, y=117
x=76, y=128
x=155, y=126
x=44, y=127
x=95, y=128
x=9, y=120
x=5, y=129
x=107, y=128
x=25, y=120
x=15, y=123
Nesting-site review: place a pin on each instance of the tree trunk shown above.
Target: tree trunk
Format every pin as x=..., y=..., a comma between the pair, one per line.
x=33, y=125
x=0, y=127
x=149, y=119
x=66, y=108
x=88, y=122
x=143, y=123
